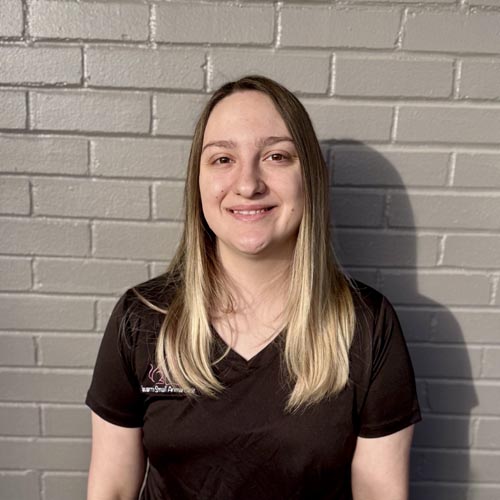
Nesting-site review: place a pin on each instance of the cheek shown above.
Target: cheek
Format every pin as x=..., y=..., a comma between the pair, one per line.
x=297, y=194
x=219, y=194
x=210, y=189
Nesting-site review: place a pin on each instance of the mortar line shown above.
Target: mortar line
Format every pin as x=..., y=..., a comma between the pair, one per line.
x=494, y=289
x=277, y=25
x=333, y=72
x=440, y=250
x=457, y=78
x=152, y=26
x=402, y=28
x=452, y=161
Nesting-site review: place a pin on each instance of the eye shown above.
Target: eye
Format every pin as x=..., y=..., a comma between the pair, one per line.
x=222, y=160
x=278, y=157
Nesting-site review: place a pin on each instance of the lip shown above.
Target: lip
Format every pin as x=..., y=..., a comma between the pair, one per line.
x=250, y=213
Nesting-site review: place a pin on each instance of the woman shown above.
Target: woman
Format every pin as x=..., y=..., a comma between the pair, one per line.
x=253, y=369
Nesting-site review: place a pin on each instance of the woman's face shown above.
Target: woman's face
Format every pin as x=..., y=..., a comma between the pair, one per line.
x=250, y=178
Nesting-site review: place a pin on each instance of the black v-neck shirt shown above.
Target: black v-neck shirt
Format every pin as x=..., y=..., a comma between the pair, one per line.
x=242, y=445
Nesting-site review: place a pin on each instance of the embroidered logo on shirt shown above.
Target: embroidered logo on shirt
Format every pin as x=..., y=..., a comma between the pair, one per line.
x=161, y=386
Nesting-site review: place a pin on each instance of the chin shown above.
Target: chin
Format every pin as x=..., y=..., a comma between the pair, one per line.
x=252, y=250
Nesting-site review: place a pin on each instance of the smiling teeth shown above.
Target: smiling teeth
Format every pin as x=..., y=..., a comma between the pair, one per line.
x=250, y=212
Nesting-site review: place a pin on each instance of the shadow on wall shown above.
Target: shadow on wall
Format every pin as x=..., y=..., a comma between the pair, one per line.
x=363, y=182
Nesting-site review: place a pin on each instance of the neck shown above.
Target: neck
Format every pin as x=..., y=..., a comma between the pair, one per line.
x=254, y=280
x=259, y=289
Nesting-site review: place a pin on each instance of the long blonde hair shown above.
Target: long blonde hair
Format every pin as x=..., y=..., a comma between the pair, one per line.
x=319, y=314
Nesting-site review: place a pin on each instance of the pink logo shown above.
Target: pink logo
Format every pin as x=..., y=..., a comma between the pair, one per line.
x=156, y=376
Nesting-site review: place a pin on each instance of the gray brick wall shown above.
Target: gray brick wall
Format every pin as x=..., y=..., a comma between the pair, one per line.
x=98, y=101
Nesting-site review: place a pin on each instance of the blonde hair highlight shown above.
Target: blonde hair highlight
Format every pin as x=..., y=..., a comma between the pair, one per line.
x=319, y=316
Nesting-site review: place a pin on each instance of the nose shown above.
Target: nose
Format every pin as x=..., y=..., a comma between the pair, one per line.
x=249, y=182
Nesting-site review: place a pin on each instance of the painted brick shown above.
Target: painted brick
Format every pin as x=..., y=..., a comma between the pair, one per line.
x=477, y=170
x=13, y=106
x=176, y=114
x=451, y=491
x=43, y=155
x=464, y=211
x=29, y=65
x=443, y=432
x=467, y=326
x=11, y=18
x=214, y=23
x=491, y=3
x=454, y=465
x=391, y=77
x=14, y=195
x=491, y=362
x=478, y=251
x=19, y=420
x=366, y=276
x=487, y=433
x=44, y=237
x=91, y=111
x=446, y=361
x=162, y=68
x=64, y=486
x=422, y=395
x=448, y=124
x=17, y=350
x=417, y=323
x=298, y=71
x=356, y=166
x=20, y=484
x=54, y=386
x=87, y=276
x=104, y=309
x=480, y=79
x=158, y=268
x=75, y=351
x=45, y=453
x=438, y=336
x=376, y=248
x=16, y=273
x=168, y=200
x=356, y=208
x=333, y=120
x=425, y=287
x=91, y=198
x=163, y=158
x=408, y=1
x=339, y=27
x=135, y=240
x=66, y=420
x=39, y=312
x=464, y=397
x=105, y=21
x=452, y=32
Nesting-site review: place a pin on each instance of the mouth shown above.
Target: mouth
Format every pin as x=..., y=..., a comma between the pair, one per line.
x=254, y=211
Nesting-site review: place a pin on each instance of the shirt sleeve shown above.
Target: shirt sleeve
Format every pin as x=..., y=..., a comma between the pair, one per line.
x=114, y=393
x=391, y=400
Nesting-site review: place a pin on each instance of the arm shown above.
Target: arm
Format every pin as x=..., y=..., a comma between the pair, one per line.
x=117, y=464
x=380, y=467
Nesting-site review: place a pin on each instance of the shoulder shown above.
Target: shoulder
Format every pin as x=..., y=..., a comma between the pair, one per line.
x=376, y=320
x=141, y=309
x=158, y=291
x=368, y=302
x=153, y=294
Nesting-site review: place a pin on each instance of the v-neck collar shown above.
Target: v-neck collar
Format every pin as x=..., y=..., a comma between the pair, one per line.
x=261, y=358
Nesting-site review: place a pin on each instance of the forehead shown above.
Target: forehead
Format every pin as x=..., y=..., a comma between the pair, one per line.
x=244, y=113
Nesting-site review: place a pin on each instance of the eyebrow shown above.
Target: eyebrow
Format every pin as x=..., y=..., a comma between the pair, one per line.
x=267, y=141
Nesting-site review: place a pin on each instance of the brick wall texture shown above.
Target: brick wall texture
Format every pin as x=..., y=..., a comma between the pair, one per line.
x=97, y=105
